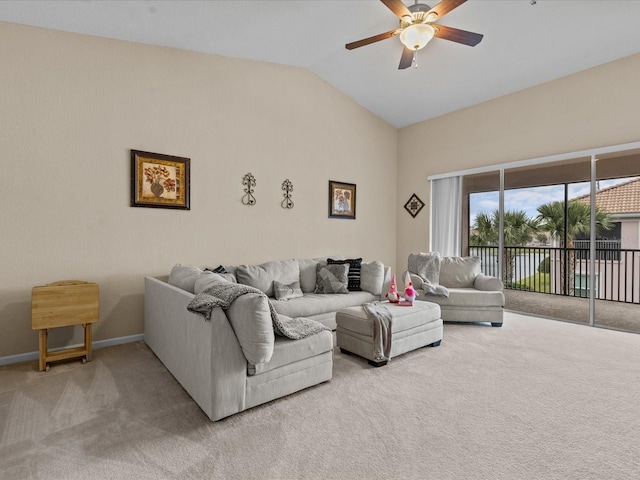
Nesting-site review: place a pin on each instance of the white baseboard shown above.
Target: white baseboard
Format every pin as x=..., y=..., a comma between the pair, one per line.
x=28, y=357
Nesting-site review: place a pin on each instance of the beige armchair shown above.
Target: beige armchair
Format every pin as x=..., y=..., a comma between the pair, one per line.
x=457, y=284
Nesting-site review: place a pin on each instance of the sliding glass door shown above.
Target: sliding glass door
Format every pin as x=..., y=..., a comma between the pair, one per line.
x=563, y=235
x=617, y=250
x=481, y=220
x=541, y=220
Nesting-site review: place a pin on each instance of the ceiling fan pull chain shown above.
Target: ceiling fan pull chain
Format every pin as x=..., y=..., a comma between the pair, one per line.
x=415, y=59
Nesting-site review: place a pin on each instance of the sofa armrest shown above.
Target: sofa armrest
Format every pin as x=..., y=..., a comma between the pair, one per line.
x=204, y=356
x=488, y=284
x=250, y=317
x=418, y=282
x=386, y=283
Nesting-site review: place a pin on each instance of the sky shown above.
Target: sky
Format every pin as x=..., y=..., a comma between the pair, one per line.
x=528, y=199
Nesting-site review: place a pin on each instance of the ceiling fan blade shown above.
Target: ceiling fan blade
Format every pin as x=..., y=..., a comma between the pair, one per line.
x=367, y=41
x=398, y=8
x=444, y=7
x=406, y=59
x=457, y=35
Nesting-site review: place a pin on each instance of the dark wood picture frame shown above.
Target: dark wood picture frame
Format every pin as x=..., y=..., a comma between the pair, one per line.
x=159, y=181
x=342, y=200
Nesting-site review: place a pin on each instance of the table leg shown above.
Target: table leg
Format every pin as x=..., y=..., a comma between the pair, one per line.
x=87, y=340
x=42, y=341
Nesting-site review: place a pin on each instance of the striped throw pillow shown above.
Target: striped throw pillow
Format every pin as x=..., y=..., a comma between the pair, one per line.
x=354, y=272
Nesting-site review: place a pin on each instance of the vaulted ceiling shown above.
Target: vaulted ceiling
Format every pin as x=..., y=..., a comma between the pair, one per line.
x=525, y=42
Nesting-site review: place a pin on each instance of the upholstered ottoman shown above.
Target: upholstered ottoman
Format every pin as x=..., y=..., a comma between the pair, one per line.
x=412, y=327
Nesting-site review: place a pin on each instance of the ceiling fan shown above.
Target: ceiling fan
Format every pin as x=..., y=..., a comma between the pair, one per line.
x=417, y=27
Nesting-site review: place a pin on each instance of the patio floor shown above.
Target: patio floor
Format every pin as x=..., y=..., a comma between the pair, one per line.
x=615, y=315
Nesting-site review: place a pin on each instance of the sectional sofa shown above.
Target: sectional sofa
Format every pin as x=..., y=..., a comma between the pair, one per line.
x=233, y=360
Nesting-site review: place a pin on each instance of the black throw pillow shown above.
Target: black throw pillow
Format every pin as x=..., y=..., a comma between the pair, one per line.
x=354, y=272
x=218, y=269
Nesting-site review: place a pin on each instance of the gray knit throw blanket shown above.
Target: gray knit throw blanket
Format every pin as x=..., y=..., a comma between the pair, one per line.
x=224, y=294
x=382, y=321
x=427, y=267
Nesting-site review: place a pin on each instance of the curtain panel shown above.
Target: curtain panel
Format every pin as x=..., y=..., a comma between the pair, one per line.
x=446, y=216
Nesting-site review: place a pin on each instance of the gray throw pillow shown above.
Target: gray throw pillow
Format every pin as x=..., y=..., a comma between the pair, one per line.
x=286, y=292
x=308, y=271
x=354, y=272
x=332, y=279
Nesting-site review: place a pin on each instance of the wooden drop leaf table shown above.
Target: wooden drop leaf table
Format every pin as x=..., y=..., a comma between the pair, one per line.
x=63, y=304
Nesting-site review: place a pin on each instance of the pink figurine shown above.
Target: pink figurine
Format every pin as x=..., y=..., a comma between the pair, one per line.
x=409, y=292
x=392, y=295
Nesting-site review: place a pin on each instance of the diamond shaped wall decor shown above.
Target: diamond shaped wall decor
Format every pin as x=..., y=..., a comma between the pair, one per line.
x=414, y=205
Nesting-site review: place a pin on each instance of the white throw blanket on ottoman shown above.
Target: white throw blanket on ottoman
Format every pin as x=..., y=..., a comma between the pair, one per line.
x=382, y=321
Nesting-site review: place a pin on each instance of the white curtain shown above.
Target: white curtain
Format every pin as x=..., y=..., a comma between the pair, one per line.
x=446, y=216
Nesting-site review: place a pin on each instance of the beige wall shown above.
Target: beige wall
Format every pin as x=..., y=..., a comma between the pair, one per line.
x=73, y=106
x=594, y=108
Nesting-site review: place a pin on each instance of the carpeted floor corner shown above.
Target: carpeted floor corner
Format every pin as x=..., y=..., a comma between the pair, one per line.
x=535, y=399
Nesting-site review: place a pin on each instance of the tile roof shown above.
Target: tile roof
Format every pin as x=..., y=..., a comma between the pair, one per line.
x=621, y=198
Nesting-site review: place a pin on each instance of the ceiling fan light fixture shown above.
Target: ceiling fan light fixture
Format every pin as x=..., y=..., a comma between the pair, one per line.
x=417, y=35
x=431, y=17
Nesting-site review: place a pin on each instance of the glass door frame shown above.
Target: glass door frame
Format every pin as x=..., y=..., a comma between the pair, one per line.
x=592, y=154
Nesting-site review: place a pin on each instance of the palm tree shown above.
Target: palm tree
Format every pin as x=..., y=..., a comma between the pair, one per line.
x=519, y=230
x=551, y=219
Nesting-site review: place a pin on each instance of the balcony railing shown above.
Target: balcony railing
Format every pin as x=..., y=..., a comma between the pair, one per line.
x=605, y=249
x=565, y=271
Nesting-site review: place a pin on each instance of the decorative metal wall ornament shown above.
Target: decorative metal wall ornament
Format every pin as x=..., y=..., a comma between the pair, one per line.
x=287, y=186
x=249, y=182
x=414, y=205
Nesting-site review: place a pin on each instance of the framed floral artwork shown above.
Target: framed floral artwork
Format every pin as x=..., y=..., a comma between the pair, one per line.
x=342, y=200
x=159, y=180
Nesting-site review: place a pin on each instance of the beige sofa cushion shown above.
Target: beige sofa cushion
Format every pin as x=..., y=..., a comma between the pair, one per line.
x=468, y=297
x=459, y=272
x=287, y=351
x=308, y=269
x=263, y=276
x=207, y=279
x=372, y=277
x=313, y=304
x=184, y=276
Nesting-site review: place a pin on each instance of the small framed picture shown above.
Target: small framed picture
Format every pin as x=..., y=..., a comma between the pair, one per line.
x=159, y=180
x=342, y=200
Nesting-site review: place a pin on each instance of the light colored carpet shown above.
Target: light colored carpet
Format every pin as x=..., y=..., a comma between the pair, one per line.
x=615, y=315
x=535, y=399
